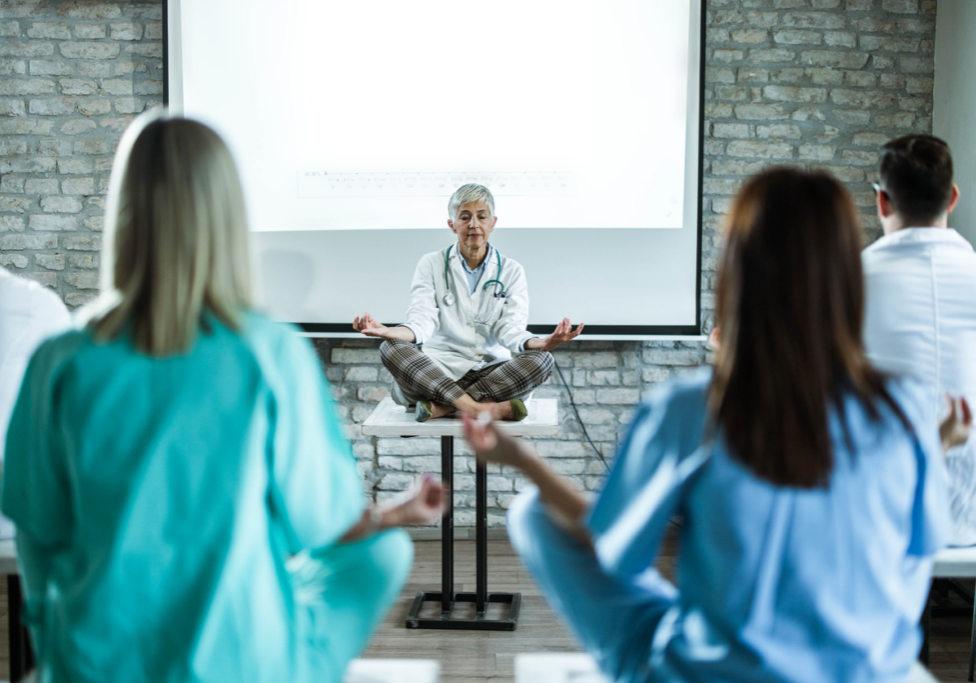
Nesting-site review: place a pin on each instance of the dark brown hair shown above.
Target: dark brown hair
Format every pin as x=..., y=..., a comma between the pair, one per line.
x=916, y=174
x=789, y=310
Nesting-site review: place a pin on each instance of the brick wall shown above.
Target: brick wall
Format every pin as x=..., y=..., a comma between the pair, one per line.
x=808, y=82
x=72, y=76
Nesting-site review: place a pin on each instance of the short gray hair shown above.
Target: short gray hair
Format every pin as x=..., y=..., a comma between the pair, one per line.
x=472, y=192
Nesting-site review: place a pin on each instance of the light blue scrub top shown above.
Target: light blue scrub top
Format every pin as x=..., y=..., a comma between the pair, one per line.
x=780, y=584
x=157, y=501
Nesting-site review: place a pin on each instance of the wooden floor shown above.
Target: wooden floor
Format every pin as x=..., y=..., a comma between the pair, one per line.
x=479, y=656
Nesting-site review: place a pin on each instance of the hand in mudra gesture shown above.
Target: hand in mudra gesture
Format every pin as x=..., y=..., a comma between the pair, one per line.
x=370, y=327
x=564, y=332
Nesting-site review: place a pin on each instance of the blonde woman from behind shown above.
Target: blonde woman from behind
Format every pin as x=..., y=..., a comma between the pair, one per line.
x=188, y=508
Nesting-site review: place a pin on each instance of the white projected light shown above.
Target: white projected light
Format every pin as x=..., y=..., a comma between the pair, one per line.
x=363, y=117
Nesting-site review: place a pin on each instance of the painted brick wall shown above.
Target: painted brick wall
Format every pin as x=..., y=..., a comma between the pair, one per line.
x=72, y=76
x=808, y=82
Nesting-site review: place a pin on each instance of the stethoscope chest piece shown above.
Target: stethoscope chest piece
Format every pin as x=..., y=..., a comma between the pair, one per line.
x=449, y=299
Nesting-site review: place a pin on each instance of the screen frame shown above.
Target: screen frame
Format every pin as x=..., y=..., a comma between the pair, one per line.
x=594, y=332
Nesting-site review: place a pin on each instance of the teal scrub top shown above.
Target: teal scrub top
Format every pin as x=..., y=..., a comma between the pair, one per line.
x=157, y=501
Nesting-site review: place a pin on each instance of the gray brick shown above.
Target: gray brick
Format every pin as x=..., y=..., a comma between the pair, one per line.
x=53, y=223
x=771, y=56
x=59, y=204
x=750, y=35
x=91, y=31
x=12, y=67
x=900, y=6
x=15, y=204
x=126, y=31
x=916, y=65
x=14, y=47
x=731, y=130
x=757, y=149
x=82, y=280
x=50, y=261
x=84, y=50
x=82, y=186
x=129, y=105
x=27, y=86
x=117, y=86
x=763, y=112
x=889, y=44
x=55, y=106
x=9, y=29
x=779, y=130
x=831, y=20
x=75, y=299
x=834, y=60
x=13, y=260
x=78, y=86
x=27, y=240
x=797, y=37
x=12, y=147
x=840, y=38
x=94, y=107
x=47, y=279
x=33, y=165
x=74, y=166
x=50, y=67
x=11, y=224
x=46, y=29
x=41, y=186
x=94, y=69
x=80, y=242
x=77, y=126
x=815, y=152
x=786, y=93
x=902, y=119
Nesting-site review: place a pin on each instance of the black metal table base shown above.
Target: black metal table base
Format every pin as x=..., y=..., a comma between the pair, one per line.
x=447, y=596
x=447, y=620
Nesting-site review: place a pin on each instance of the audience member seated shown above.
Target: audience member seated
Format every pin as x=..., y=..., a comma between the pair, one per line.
x=29, y=314
x=469, y=306
x=811, y=486
x=920, y=280
x=188, y=508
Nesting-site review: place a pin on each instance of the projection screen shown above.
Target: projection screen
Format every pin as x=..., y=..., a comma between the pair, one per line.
x=352, y=124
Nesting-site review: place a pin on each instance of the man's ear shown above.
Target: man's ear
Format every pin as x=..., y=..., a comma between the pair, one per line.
x=885, y=209
x=953, y=199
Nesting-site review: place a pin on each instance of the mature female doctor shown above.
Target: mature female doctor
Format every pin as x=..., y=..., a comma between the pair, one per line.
x=469, y=306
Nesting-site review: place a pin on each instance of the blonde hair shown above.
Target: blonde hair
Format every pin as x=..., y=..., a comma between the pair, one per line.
x=176, y=236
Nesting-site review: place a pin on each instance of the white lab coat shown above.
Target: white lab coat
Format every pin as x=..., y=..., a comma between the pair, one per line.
x=448, y=333
x=920, y=320
x=29, y=314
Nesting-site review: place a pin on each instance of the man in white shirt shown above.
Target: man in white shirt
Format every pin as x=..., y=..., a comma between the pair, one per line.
x=469, y=306
x=29, y=314
x=920, y=283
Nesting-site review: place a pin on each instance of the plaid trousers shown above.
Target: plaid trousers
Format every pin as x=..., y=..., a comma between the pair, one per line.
x=421, y=379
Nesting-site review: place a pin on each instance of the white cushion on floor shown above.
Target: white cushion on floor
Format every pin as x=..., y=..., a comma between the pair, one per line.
x=576, y=667
x=561, y=667
x=392, y=671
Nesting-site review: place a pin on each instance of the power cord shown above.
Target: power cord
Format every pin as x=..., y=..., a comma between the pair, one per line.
x=569, y=392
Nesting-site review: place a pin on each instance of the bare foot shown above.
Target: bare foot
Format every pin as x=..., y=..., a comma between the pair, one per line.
x=439, y=410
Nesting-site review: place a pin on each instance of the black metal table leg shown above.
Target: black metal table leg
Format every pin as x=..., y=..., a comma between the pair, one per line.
x=21, y=655
x=447, y=526
x=481, y=536
x=447, y=596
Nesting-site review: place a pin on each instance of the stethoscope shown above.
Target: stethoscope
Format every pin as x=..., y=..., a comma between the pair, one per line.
x=498, y=285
